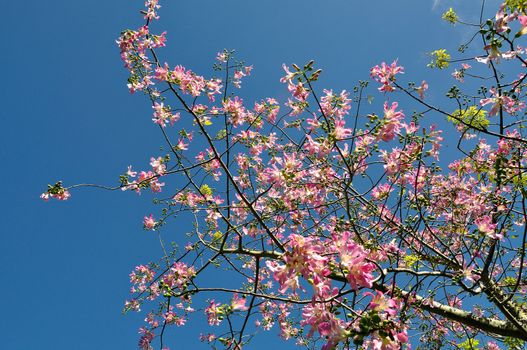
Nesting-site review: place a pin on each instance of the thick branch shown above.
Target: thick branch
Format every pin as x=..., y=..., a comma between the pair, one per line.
x=500, y=327
x=486, y=324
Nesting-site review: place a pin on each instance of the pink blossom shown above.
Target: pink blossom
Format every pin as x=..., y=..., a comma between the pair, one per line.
x=381, y=303
x=61, y=194
x=130, y=172
x=238, y=303
x=171, y=317
x=421, y=89
x=288, y=76
x=469, y=275
x=214, y=313
x=335, y=105
x=385, y=74
x=207, y=337
x=381, y=192
x=146, y=338
x=411, y=128
x=163, y=116
x=181, y=145
x=158, y=165
x=149, y=222
x=161, y=73
x=483, y=59
x=222, y=56
x=491, y=345
x=270, y=107
x=459, y=75
x=503, y=19
x=152, y=6
x=214, y=88
x=324, y=322
x=235, y=109
x=392, y=122
x=298, y=91
x=487, y=227
x=303, y=259
x=353, y=258
x=150, y=179
x=132, y=305
x=188, y=81
x=510, y=105
x=239, y=74
x=179, y=275
x=340, y=132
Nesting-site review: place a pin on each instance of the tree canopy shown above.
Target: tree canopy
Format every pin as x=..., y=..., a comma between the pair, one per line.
x=331, y=218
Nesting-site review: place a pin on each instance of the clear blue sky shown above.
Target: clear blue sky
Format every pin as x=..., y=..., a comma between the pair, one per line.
x=67, y=115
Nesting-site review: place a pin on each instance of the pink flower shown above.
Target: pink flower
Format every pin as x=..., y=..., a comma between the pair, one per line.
x=385, y=74
x=411, y=128
x=236, y=110
x=459, y=75
x=469, y=275
x=181, y=145
x=487, y=227
x=149, y=223
x=214, y=87
x=141, y=276
x=214, y=313
x=392, y=122
x=209, y=338
x=492, y=346
x=335, y=105
x=221, y=57
x=288, y=76
x=130, y=172
x=299, y=92
x=381, y=192
x=324, y=322
x=163, y=115
x=340, y=132
x=523, y=22
x=56, y=191
x=146, y=338
x=152, y=6
x=238, y=303
x=421, y=89
x=304, y=259
x=353, y=258
x=402, y=337
x=158, y=165
x=483, y=59
x=132, y=305
x=502, y=20
x=510, y=105
x=381, y=303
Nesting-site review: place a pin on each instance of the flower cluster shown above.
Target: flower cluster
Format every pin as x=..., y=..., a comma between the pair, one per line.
x=163, y=115
x=304, y=259
x=56, y=191
x=385, y=74
x=509, y=104
x=131, y=180
x=336, y=231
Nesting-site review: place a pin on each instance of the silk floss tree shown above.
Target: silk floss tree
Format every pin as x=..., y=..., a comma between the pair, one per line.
x=337, y=228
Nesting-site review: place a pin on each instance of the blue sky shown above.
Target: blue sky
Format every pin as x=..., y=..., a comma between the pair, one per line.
x=67, y=115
